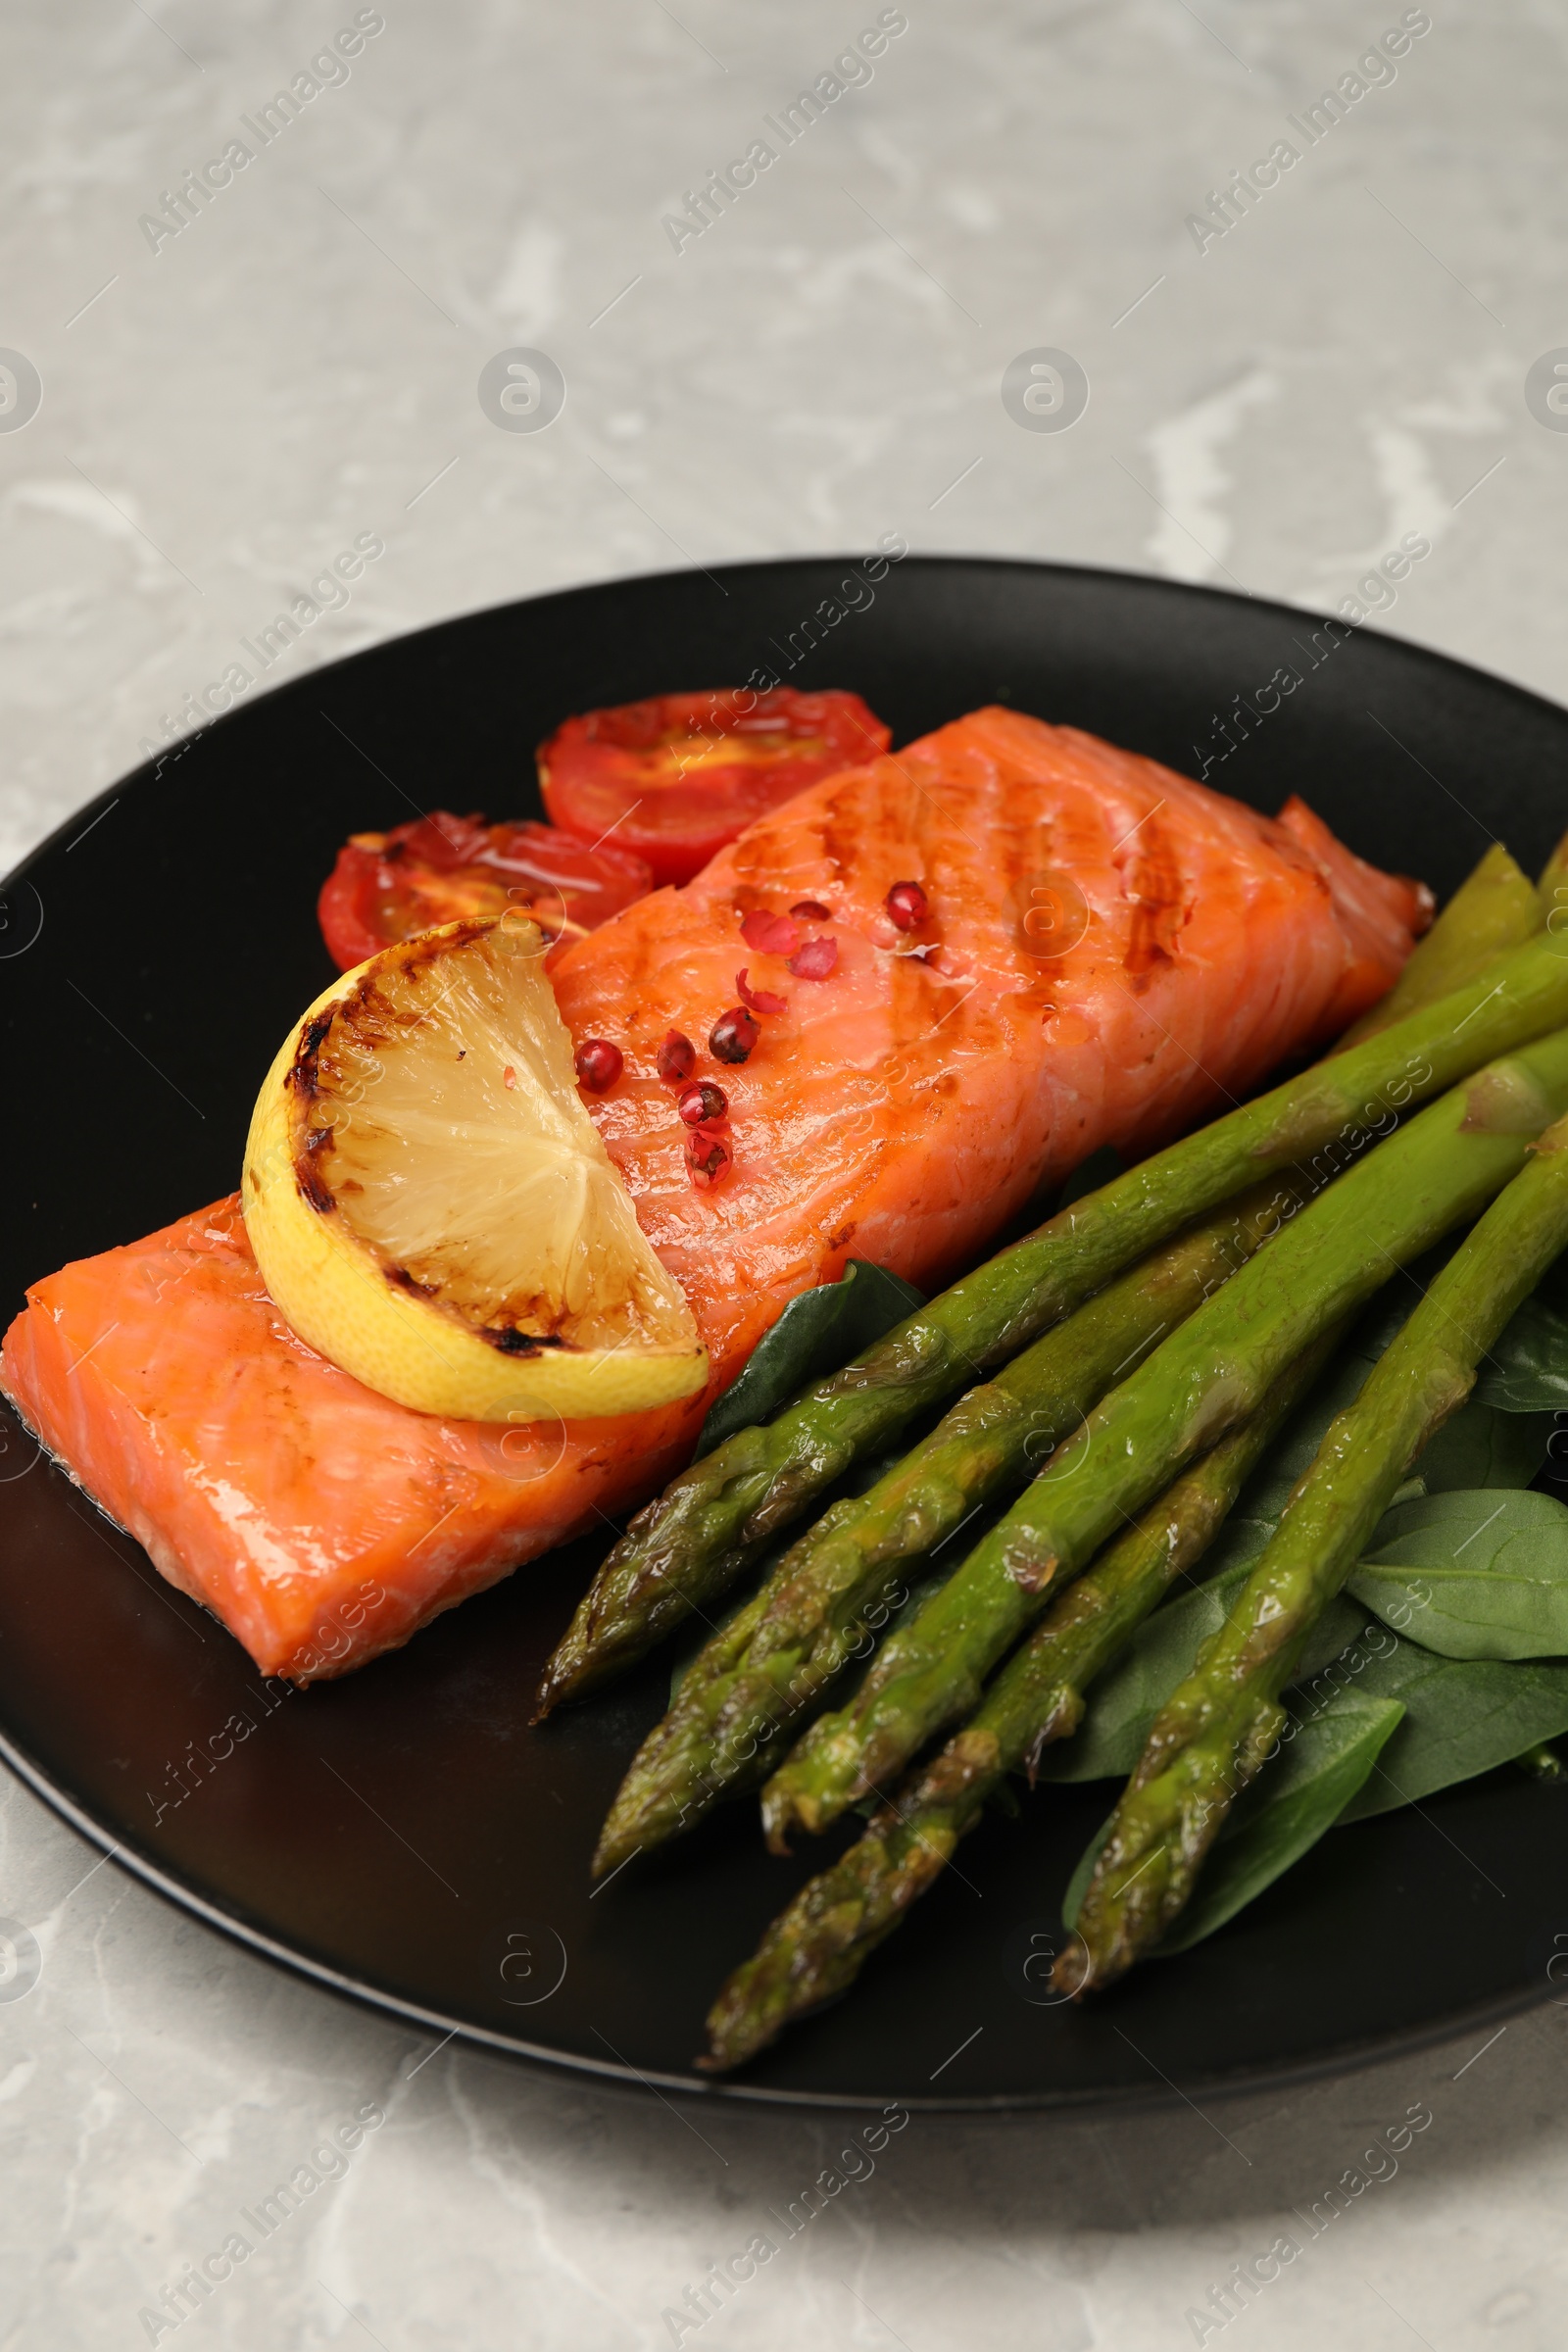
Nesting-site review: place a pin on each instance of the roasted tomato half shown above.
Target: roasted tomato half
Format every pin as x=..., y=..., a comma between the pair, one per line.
x=386, y=886
x=678, y=777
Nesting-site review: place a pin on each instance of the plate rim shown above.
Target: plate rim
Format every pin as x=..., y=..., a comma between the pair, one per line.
x=1343, y=2059
x=937, y=559
x=1348, y=2058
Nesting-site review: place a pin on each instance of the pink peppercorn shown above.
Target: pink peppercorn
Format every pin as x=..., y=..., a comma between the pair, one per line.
x=733, y=1035
x=907, y=904
x=701, y=1105
x=708, y=1158
x=598, y=1063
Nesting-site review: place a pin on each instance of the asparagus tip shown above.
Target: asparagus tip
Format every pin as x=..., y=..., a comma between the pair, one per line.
x=1074, y=1972
x=560, y=1679
x=781, y=1812
x=561, y=1689
x=615, y=1847
x=575, y=1673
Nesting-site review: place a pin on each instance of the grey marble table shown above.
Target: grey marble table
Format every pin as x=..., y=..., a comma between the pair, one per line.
x=234, y=377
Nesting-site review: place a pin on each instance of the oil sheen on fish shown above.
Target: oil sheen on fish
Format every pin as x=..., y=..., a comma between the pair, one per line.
x=1112, y=954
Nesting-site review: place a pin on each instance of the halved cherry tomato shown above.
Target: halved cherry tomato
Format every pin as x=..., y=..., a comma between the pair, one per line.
x=386, y=886
x=677, y=778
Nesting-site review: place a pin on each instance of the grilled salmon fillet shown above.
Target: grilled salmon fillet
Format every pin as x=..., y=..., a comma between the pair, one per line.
x=1110, y=953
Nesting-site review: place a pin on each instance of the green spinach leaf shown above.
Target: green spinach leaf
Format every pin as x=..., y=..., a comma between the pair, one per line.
x=1472, y=1575
x=1130, y=1694
x=1483, y=1445
x=816, y=1334
x=1162, y=1653
x=1527, y=1369
x=1462, y=1716
x=1298, y=1795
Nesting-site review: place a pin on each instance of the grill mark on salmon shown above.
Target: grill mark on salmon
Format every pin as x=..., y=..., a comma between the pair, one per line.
x=1158, y=902
x=912, y=1103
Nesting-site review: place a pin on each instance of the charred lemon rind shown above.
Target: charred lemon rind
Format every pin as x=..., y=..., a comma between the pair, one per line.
x=343, y=1298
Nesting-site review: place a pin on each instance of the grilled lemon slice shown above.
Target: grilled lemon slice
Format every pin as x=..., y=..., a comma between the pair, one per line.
x=430, y=1204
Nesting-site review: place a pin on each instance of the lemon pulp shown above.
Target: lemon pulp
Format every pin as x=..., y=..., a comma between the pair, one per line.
x=430, y=1204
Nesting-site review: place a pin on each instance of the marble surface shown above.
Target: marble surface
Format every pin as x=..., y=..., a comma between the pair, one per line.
x=222, y=410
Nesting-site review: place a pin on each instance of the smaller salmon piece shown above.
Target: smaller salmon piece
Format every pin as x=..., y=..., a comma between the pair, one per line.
x=319, y=1520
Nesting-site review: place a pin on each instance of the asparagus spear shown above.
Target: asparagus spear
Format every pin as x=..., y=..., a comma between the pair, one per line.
x=1437, y=1173
x=1494, y=908
x=1219, y=1727
x=774, y=1659
x=815, y=1948
x=687, y=1547
x=811, y=1616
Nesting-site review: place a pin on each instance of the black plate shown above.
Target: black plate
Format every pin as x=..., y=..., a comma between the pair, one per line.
x=402, y=1835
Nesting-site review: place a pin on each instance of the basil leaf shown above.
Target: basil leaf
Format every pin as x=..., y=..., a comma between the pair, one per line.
x=1461, y=1717
x=818, y=1332
x=1472, y=1575
x=1322, y=1764
x=1527, y=1368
